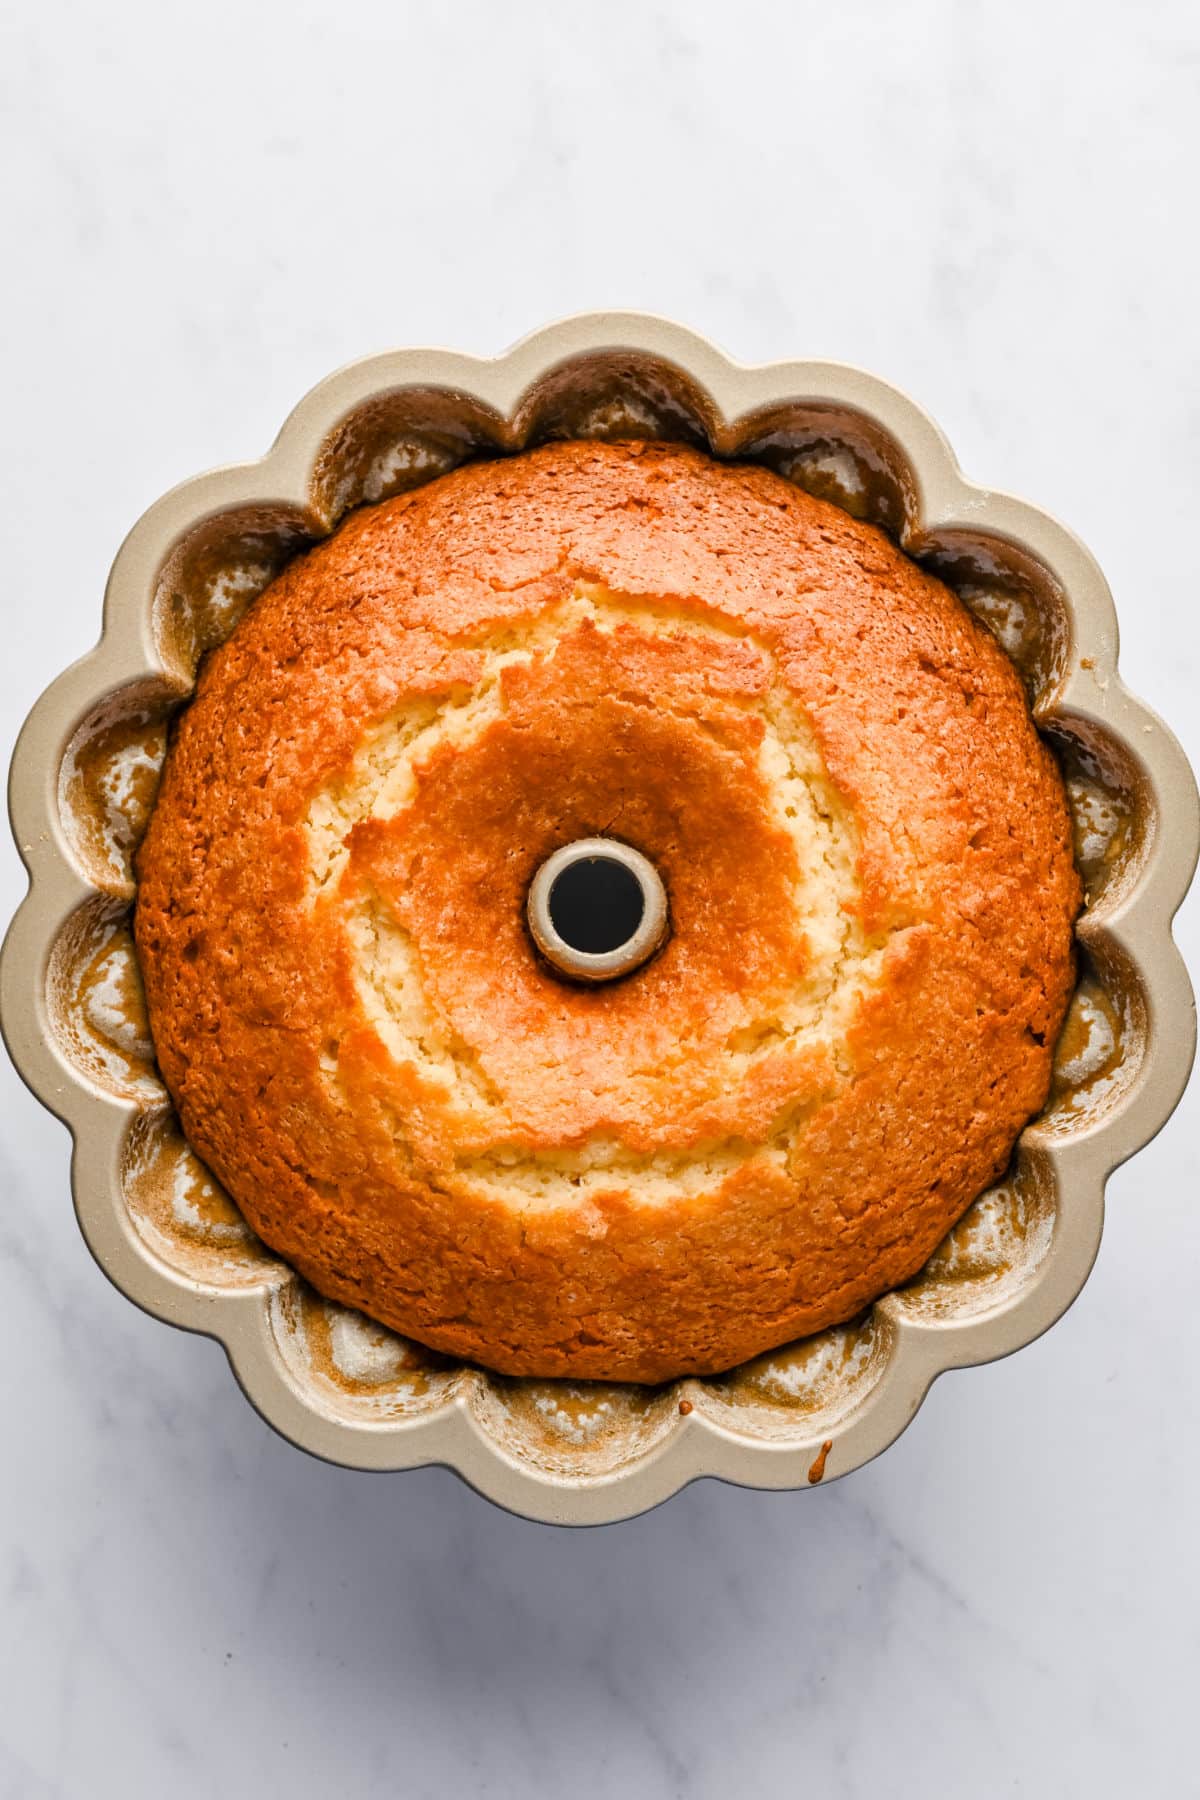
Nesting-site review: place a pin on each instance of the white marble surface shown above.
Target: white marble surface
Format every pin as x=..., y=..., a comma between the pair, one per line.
x=993, y=205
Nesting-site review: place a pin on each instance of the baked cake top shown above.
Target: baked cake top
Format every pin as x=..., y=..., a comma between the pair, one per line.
x=865, y=846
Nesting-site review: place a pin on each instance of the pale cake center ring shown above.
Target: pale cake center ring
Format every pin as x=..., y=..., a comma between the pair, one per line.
x=597, y=909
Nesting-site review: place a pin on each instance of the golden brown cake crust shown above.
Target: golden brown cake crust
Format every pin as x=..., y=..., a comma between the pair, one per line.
x=866, y=848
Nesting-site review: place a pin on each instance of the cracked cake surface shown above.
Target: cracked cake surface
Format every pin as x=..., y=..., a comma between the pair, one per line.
x=866, y=848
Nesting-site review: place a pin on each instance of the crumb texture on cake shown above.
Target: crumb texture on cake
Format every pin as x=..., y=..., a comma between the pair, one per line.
x=866, y=848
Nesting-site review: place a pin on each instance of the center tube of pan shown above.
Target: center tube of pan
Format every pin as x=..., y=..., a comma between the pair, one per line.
x=597, y=909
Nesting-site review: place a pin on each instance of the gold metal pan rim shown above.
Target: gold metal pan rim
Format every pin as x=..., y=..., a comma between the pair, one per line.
x=733, y=407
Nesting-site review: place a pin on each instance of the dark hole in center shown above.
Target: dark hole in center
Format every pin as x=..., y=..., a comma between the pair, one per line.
x=596, y=905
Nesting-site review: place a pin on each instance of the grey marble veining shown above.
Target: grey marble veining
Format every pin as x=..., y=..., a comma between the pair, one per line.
x=990, y=205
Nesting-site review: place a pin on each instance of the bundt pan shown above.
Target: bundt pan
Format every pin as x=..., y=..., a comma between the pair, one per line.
x=83, y=782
